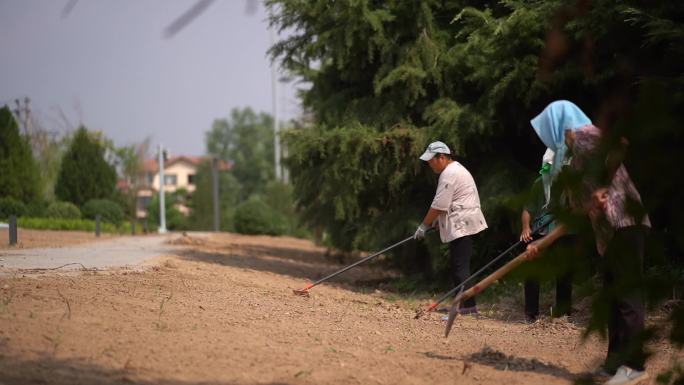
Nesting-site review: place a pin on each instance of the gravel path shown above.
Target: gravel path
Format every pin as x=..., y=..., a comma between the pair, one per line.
x=117, y=252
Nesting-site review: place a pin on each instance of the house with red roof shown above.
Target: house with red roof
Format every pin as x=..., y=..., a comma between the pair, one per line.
x=179, y=174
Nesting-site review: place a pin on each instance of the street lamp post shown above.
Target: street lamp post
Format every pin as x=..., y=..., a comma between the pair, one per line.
x=162, y=198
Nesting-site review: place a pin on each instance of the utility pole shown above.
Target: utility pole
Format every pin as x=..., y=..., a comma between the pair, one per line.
x=23, y=113
x=286, y=172
x=162, y=198
x=276, y=124
x=215, y=180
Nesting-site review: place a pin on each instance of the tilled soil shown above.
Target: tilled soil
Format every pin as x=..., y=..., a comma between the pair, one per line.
x=221, y=311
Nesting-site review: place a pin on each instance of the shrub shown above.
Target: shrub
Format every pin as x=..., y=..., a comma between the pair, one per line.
x=175, y=220
x=108, y=210
x=10, y=206
x=63, y=210
x=254, y=216
x=36, y=209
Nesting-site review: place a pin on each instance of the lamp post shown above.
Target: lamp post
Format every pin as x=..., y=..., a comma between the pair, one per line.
x=215, y=192
x=162, y=198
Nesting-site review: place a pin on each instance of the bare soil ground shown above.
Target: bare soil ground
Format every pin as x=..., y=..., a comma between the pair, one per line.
x=222, y=311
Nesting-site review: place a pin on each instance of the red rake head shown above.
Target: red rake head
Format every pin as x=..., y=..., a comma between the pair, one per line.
x=305, y=291
x=420, y=312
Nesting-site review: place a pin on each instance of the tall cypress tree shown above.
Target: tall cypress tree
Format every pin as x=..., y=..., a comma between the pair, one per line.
x=19, y=176
x=85, y=174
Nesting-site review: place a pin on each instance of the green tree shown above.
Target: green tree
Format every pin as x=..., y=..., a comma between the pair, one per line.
x=48, y=149
x=385, y=81
x=19, y=176
x=202, y=215
x=245, y=140
x=84, y=173
x=129, y=164
x=387, y=78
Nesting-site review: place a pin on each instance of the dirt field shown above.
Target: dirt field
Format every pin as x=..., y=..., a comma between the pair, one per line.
x=221, y=311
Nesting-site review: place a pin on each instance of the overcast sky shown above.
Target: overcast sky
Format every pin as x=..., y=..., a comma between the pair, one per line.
x=108, y=65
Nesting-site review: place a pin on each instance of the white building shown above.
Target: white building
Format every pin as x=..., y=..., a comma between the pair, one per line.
x=179, y=173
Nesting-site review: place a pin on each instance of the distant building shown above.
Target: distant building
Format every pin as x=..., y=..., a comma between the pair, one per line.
x=179, y=173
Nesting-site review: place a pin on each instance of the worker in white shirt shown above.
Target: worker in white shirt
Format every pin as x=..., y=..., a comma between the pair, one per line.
x=456, y=209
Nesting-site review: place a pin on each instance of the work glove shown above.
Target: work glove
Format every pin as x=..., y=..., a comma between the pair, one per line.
x=420, y=232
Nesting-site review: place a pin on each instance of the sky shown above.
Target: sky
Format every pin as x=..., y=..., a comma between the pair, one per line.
x=108, y=65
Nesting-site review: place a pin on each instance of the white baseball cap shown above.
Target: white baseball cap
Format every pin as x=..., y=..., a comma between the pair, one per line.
x=434, y=148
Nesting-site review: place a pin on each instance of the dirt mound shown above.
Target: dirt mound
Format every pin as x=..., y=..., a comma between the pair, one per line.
x=554, y=325
x=187, y=240
x=501, y=361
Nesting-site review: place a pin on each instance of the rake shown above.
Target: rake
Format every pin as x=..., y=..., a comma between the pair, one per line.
x=305, y=291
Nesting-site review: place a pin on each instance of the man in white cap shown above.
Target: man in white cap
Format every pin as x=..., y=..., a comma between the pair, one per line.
x=456, y=208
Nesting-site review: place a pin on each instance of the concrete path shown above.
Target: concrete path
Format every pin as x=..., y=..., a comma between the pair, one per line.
x=125, y=251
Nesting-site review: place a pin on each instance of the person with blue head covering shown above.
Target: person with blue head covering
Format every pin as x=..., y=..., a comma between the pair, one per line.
x=551, y=124
x=606, y=193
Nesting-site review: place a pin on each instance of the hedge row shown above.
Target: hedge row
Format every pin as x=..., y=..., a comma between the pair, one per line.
x=71, y=224
x=109, y=210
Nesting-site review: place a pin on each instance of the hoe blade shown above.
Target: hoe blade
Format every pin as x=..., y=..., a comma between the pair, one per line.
x=453, y=312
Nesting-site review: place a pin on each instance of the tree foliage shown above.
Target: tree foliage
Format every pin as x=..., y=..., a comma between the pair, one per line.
x=202, y=216
x=129, y=164
x=246, y=141
x=399, y=76
x=10, y=206
x=254, y=216
x=19, y=176
x=175, y=220
x=108, y=210
x=84, y=172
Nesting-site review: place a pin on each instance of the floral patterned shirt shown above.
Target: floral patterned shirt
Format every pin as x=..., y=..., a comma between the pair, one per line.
x=623, y=207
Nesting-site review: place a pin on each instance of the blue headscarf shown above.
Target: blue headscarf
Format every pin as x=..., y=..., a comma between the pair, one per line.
x=550, y=126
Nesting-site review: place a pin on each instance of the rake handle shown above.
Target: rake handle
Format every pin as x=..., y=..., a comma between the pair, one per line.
x=338, y=272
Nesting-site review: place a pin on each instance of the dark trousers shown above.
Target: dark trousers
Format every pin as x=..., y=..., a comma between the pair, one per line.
x=460, y=251
x=622, y=280
x=560, y=253
x=563, y=296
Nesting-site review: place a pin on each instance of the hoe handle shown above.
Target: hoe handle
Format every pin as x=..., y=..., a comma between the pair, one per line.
x=472, y=276
x=487, y=281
